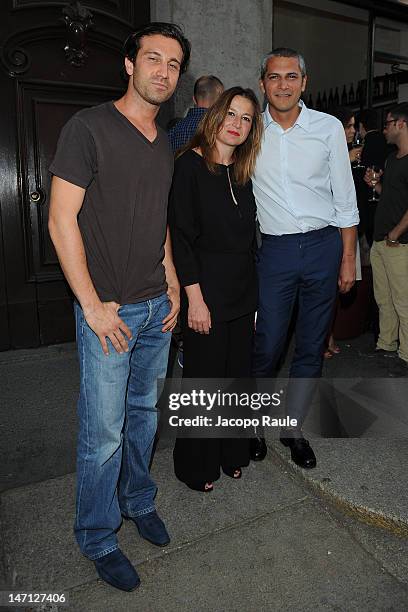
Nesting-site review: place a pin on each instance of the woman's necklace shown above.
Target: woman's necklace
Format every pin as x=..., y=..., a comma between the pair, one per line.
x=234, y=199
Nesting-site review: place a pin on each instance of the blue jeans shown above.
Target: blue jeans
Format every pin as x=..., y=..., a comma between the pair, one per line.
x=117, y=424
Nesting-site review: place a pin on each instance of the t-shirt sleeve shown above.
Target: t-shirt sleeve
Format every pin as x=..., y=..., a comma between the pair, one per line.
x=183, y=222
x=75, y=157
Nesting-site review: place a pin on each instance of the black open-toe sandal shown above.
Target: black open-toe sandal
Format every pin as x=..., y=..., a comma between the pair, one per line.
x=204, y=487
x=234, y=473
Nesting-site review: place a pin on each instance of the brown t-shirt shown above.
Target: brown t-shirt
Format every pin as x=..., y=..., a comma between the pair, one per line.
x=393, y=202
x=124, y=214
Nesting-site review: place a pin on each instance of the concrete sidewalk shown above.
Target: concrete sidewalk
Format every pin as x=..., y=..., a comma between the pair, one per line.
x=262, y=543
x=281, y=538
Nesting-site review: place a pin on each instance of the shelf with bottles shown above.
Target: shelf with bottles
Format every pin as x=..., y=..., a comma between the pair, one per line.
x=385, y=90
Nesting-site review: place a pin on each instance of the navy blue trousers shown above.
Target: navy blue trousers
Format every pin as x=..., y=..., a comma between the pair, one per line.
x=303, y=266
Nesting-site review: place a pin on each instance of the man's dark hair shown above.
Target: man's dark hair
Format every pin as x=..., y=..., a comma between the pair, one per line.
x=369, y=118
x=342, y=114
x=170, y=30
x=400, y=111
x=284, y=52
x=207, y=87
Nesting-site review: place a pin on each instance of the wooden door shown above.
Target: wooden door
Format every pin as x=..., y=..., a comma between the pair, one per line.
x=56, y=58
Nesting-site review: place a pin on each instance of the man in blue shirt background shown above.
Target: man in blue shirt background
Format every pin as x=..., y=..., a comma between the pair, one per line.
x=206, y=91
x=308, y=215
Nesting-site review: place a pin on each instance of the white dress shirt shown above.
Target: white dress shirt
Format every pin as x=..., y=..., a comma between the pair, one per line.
x=303, y=178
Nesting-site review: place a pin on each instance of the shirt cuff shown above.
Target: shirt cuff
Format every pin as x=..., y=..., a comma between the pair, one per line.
x=186, y=281
x=349, y=219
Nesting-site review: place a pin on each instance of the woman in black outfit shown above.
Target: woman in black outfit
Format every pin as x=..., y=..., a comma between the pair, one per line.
x=212, y=222
x=347, y=118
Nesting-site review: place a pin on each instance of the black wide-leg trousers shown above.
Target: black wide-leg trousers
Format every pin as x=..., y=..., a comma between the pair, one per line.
x=226, y=352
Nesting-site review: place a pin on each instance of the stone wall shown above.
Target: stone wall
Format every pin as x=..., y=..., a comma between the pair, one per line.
x=229, y=39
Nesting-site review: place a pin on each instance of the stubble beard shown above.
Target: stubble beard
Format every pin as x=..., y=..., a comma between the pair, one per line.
x=150, y=95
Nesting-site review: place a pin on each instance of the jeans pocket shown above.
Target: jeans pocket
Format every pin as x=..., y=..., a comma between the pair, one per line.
x=164, y=304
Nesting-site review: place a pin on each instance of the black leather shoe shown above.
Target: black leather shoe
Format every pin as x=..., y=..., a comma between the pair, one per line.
x=301, y=452
x=257, y=449
x=399, y=368
x=384, y=353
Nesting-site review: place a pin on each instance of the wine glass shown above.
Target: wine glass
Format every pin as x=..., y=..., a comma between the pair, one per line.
x=357, y=144
x=374, y=178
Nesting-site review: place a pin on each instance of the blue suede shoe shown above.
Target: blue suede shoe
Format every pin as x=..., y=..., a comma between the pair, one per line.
x=152, y=528
x=117, y=570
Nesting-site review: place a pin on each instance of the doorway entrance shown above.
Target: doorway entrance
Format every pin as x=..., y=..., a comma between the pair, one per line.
x=56, y=58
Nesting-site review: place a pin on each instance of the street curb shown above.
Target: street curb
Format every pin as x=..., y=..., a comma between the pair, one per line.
x=44, y=353
x=353, y=509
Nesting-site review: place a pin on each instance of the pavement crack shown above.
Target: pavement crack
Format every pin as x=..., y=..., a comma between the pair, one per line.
x=233, y=527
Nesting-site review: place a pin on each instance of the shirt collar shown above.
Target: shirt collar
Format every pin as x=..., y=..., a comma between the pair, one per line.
x=302, y=121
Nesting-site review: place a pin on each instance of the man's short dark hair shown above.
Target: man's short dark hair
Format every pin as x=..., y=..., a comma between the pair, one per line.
x=400, y=111
x=207, y=87
x=343, y=114
x=170, y=30
x=369, y=118
x=284, y=52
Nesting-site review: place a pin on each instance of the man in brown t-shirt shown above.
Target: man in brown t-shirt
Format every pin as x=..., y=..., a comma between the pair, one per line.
x=389, y=253
x=112, y=174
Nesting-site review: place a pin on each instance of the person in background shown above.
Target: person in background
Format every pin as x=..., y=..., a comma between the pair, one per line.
x=374, y=153
x=348, y=120
x=212, y=223
x=389, y=253
x=206, y=91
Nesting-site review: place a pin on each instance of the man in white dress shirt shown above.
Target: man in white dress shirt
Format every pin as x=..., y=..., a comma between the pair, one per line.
x=305, y=194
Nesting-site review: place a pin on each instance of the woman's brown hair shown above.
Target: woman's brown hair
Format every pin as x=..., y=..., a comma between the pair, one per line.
x=205, y=137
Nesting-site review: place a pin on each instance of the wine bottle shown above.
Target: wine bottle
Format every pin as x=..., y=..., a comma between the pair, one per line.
x=386, y=85
x=336, y=97
x=344, y=97
x=331, y=99
x=359, y=92
x=393, y=85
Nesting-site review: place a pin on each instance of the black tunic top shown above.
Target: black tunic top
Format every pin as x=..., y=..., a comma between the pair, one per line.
x=213, y=238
